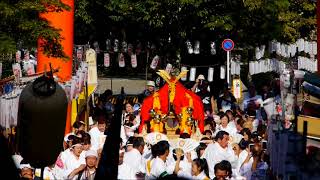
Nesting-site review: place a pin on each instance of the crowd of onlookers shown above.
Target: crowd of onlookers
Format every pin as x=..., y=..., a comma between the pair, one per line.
x=233, y=144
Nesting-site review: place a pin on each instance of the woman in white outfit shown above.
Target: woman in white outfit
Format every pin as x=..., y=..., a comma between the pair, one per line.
x=200, y=170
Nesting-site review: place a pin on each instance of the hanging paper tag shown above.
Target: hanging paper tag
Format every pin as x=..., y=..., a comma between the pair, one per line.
x=192, y=74
x=183, y=68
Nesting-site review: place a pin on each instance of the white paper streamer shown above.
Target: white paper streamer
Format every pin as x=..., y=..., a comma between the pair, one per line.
x=278, y=48
x=251, y=68
x=210, y=74
x=222, y=72
x=238, y=68
x=314, y=47
x=233, y=68
x=192, y=74
x=300, y=44
x=257, y=67
x=183, y=68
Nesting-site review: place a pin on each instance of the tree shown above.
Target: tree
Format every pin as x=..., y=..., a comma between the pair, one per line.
x=249, y=22
x=21, y=26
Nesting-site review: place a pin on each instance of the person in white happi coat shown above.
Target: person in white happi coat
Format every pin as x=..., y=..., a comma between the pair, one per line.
x=134, y=157
x=182, y=165
x=73, y=163
x=200, y=169
x=159, y=166
x=91, y=164
x=26, y=171
x=97, y=132
x=218, y=151
x=124, y=170
x=224, y=126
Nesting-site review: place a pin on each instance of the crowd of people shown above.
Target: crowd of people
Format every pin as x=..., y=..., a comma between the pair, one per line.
x=233, y=144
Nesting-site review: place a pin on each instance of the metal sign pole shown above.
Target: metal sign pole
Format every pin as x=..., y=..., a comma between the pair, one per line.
x=228, y=67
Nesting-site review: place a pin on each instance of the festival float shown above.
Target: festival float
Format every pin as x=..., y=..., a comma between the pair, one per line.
x=173, y=109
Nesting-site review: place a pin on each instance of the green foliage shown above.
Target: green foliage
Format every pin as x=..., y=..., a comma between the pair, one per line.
x=249, y=22
x=21, y=26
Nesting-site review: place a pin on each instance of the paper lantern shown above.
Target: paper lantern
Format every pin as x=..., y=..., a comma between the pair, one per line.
x=210, y=74
x=189, y=47
x=192, y=74
x=154, y=62
x=106, y=60
x=222, y=72
x=183, y=68
x=121, y=60
x=196, y=47
x=134, y=62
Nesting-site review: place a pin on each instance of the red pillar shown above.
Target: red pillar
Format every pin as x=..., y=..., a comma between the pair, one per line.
x=64, y=21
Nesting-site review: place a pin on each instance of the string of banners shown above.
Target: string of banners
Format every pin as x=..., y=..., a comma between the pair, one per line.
x=235, y=70
x=288, y=50
x=263, y=65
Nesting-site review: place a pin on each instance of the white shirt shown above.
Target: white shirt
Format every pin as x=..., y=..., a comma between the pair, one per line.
x=242, y=157
x=245, y=170
x=214, y=154
x=158, y=167
x=185, y=168
x=229, y=129
x=135, y=160
x=95, y=137
x=51, y=174
x=126, y=172
x=71, y=163
x=88, y=175
x=201, y=176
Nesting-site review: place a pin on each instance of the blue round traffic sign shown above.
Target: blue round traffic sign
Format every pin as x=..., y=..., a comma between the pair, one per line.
x=227, y=45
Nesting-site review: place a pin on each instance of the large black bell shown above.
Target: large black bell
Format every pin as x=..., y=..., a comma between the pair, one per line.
x=41, y=122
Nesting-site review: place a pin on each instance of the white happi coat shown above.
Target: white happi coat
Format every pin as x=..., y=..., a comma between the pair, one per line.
x=135, y=160
x=125, y=172
x=214, y=154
